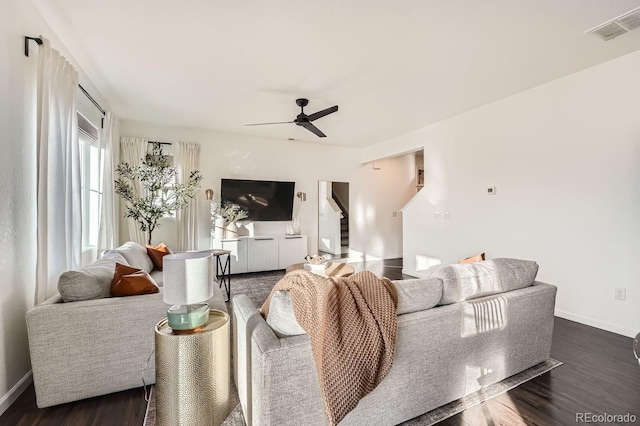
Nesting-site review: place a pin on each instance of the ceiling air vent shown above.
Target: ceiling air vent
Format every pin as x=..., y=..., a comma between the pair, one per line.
x=617, y=26
x=630, y=20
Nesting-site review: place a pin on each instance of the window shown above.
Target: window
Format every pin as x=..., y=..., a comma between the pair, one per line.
x=91, y=164
x=167, y=192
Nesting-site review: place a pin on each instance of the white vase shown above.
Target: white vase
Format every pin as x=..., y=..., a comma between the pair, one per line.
x=231, y=230
x=218, y=231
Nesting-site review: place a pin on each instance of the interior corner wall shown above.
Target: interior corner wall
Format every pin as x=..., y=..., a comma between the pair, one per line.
x=18, y=81
x=384, y=190
x=564, y=158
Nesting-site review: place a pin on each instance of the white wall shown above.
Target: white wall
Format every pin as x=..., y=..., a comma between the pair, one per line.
x=384, y=189
x=565, y=159
x=18, y=186
x=328, y=220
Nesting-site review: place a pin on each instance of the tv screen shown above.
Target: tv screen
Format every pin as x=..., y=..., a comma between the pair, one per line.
x=264, y=200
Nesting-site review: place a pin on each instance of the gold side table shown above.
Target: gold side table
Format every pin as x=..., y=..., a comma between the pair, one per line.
x=193, y=373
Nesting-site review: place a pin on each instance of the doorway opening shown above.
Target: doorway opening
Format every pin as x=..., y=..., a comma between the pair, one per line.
x=333, y=219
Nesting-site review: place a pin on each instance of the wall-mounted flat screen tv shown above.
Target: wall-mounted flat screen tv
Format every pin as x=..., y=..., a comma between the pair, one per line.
x=264, y=200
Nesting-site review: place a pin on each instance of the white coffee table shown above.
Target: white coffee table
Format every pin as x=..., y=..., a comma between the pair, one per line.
x=334, y=269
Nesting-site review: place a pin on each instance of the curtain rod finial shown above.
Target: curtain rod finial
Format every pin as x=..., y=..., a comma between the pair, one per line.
x=38, y=40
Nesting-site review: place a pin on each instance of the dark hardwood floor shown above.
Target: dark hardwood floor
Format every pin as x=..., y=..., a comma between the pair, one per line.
x=600, y=375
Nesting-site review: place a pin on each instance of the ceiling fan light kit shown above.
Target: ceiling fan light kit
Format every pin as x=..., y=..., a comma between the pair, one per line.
x=305, y=120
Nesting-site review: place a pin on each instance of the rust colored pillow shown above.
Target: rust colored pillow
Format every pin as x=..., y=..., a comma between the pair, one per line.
x=156, y=253
x=477, y=258
x=129, y=281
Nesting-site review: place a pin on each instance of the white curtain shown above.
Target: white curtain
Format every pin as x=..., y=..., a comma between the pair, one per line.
x=108, y=231
x=132, y=151
x=186, y=158
x=59, y=215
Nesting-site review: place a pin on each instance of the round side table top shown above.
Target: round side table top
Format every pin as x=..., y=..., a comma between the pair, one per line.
x=334, y=269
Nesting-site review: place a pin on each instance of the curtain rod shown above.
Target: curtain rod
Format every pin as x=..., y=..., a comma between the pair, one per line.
x=92, y=100
x=38, y=40
x=160, y=143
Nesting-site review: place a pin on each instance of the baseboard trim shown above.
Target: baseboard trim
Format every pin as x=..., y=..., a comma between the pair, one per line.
x=13, y=394
x=603, y=325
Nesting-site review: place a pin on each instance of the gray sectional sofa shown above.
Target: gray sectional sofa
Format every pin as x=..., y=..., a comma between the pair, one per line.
x=84, y=343
x=464, y=327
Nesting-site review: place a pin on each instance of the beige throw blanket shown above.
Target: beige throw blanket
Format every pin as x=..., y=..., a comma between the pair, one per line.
x=352, y=325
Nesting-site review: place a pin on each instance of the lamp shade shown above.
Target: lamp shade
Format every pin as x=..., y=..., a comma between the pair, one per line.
x=187, y=278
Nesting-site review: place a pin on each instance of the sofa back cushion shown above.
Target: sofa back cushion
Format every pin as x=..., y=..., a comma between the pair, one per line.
x=413, y=295
x=472, y=280
x=418, y=294
x=136, y=255
x=90, y=282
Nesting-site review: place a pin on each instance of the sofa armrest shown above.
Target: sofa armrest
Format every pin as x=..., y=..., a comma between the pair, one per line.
x=261, y=357
x=244, y=316
x=94, y=347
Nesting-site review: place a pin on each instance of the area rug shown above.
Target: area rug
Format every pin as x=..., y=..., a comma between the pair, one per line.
x=257, y=288
x=236, y=418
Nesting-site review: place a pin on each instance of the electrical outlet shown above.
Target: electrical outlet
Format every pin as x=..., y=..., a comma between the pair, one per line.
x=395, y=214
x=620, y=293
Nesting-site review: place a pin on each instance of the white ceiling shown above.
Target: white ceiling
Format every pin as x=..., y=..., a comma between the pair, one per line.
x=392, y=67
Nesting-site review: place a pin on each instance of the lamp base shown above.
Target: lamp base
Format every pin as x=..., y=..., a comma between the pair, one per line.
x=188, y=318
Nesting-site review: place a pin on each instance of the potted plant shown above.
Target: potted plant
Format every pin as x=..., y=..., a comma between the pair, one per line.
x=160, y=195
x=232, y=213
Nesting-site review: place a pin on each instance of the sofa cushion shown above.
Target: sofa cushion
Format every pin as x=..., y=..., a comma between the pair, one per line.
x=130, y=281
x=472, y=280
x=417, y=294
x=136, y=255
x=413, y=295
x=90, y=282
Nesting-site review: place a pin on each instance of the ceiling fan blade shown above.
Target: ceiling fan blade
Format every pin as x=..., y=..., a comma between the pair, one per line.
x=310, y=127
x=322, y=113
x=264, y=124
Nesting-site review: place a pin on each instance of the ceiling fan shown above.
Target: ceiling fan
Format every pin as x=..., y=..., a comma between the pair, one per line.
x=305, y=120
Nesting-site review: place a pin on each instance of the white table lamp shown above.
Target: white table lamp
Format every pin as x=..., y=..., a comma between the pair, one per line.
x=187, y=285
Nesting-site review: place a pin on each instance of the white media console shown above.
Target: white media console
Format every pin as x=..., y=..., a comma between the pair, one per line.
x=263, y=252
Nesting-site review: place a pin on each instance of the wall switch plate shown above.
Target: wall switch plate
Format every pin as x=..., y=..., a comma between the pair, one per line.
x=491, y=190
x=394, y=214
x=620, y=293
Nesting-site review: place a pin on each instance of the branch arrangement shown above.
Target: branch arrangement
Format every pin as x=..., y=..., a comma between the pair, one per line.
x=151, y=191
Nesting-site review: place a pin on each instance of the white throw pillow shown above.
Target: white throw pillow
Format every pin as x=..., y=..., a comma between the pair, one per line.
x=136, y=256
x=281, y=317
